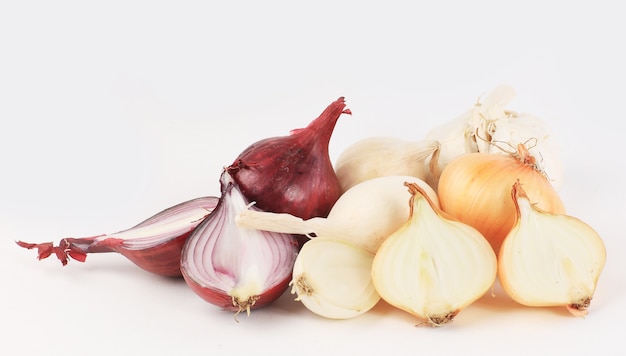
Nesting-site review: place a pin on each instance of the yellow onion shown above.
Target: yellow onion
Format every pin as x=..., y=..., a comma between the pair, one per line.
x=433, y=266
x=550, y=259
x=476, y=189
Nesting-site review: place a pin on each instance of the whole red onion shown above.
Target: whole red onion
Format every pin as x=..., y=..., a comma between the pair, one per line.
x=292, y=174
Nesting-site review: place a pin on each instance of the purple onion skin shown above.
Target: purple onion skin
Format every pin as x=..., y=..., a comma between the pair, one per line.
x=162, y=259
x=224, y=301
x=292, y=174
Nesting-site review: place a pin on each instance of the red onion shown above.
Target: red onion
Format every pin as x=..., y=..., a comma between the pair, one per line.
x=154, y=244
x=292, y=174
x=233, y=267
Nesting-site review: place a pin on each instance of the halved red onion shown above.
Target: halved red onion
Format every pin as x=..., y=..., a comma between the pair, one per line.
x=236, y=268
x=154, y=244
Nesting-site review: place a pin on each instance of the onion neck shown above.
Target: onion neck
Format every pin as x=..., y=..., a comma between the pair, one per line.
x=321, y=129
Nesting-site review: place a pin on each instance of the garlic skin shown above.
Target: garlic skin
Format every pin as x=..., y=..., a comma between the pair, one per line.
x=459, y=136
x=332, y=278
x=381, y=156
x=523, y=128
x=491, y=128
x=550, y=259
x=433, y=267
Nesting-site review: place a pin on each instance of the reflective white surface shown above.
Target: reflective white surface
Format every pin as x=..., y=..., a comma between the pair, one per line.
x=113, y=112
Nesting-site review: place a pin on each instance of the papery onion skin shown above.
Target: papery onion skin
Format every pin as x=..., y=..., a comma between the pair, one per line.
x=476, y=189
x=154, y=245
x=163, y=260
x=234, y=268
x=292, y=174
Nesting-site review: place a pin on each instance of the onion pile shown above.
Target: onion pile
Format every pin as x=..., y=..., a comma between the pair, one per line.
x=240, y=268
x=428, y=226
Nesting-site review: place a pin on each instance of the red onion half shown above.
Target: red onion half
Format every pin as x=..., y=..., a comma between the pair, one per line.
x=154, y=244
x=292, y=174
x=233, y=267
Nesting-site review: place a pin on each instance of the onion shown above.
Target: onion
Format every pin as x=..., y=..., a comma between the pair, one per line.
x=292, y=174
x=381, y=156
x=433, y=266
x=550, y=259
x=332, y=278
x=232, y=267
x=365, y=215
x=475, y=189
x=154, y=244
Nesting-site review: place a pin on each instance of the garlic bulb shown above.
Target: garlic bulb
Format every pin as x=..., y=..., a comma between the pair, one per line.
x=374, y=157
x=490, y=128
x=332, y=279
x=458, y=136
x=550, y=259
x=433, y=267
x=523, y=128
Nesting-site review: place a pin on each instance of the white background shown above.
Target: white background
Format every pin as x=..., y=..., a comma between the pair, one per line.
x=112, y=111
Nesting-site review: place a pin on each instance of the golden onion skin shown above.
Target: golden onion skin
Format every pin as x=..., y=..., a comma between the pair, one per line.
x=475, y=188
